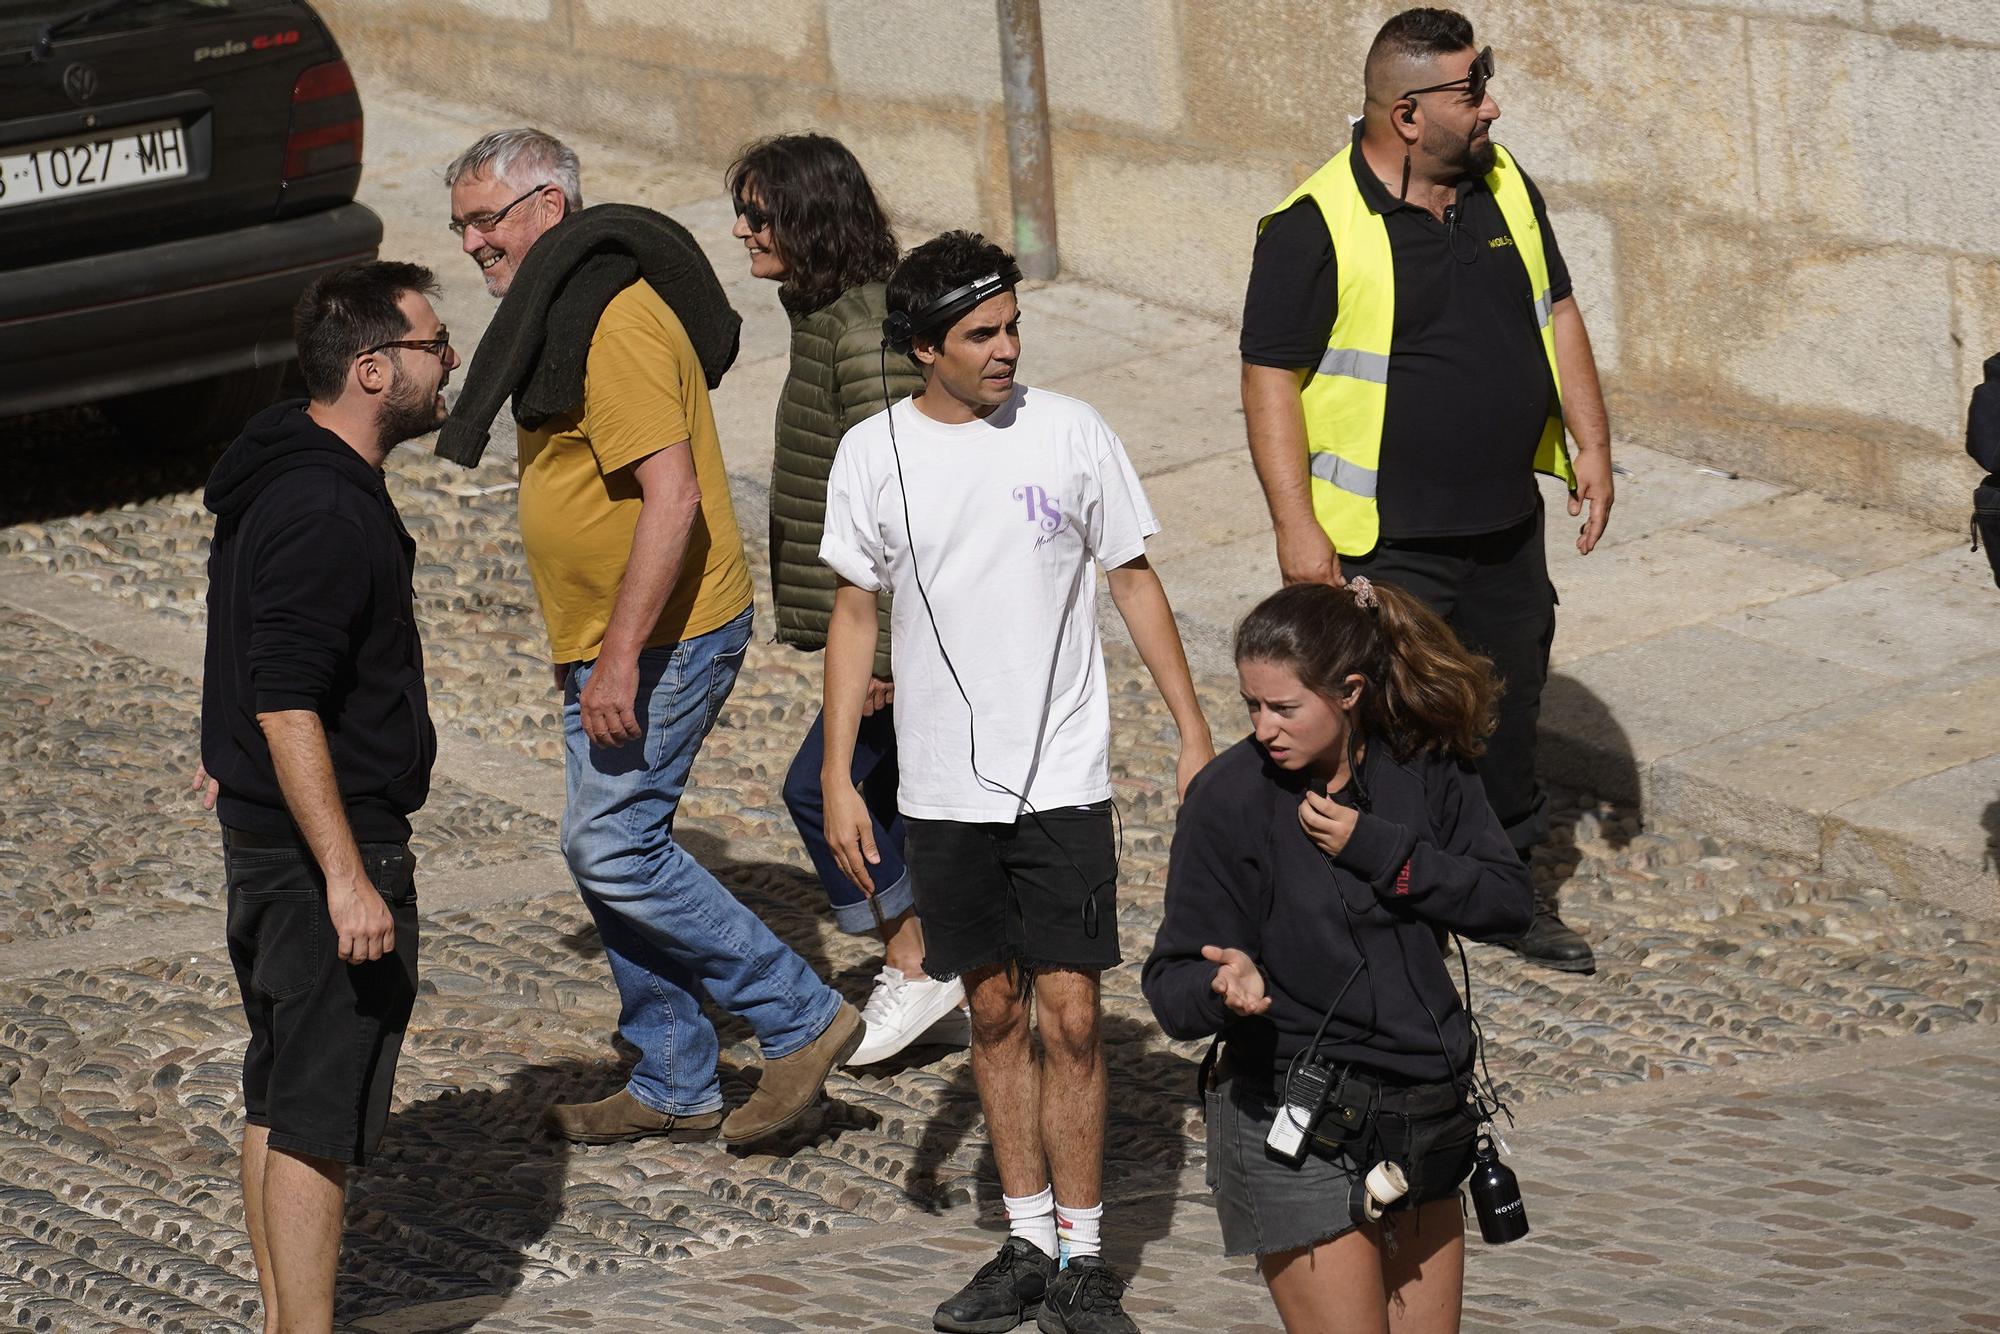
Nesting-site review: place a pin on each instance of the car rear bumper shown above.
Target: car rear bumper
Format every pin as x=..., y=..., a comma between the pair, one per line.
x=93, y=328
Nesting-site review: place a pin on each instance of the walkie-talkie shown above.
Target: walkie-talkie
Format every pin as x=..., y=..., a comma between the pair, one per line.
x=1306, y=1095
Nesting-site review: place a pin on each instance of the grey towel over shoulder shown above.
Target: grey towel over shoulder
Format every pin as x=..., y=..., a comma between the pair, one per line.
x=539, y=340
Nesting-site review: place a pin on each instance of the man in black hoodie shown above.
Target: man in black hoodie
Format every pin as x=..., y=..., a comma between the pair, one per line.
x=316, y=746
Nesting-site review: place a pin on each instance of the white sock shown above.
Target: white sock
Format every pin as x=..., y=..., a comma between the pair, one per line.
x=1034, y=1217
x=1077, y=1230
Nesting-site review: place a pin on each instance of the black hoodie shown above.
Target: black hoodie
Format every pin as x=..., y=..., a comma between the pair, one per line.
x=309, y=607
x=1245, y=876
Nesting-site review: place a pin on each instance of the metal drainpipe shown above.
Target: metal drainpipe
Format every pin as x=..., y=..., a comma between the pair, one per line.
x=1030, y=170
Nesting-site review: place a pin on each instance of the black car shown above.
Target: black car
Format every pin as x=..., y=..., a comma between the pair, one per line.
x=172, y=174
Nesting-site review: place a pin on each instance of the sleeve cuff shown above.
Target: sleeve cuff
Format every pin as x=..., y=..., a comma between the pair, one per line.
x=1125, y=555
x=1377, y=849
x=849, y=564
x=282, y=701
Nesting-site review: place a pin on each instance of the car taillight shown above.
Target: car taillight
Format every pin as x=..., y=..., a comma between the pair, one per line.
x=326, y=122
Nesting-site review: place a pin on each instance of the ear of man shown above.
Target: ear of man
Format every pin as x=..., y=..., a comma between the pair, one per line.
x=1390, y=72
x=373, y=374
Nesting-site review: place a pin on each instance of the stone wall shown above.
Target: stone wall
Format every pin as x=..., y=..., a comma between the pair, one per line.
x=1783, y=216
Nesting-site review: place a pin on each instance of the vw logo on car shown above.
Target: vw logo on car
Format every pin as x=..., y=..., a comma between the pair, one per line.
x=80, y=82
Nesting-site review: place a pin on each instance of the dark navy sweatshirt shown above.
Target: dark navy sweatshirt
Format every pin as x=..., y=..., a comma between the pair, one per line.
x=1428, y=854
x=310, y=607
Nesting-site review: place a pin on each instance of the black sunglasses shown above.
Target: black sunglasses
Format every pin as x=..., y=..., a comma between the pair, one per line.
x=437, y=347
x=750, y=213
x=1474, y=81
x=486, y=222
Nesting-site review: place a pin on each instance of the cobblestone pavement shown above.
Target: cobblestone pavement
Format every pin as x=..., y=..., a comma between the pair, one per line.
x=1772, y=1107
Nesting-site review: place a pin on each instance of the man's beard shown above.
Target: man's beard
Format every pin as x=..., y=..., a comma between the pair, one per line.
x=407, y=412
x=1461, y=155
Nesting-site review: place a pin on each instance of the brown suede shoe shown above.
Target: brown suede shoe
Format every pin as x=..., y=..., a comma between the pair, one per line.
x=791, y=1084
x=621, y=1117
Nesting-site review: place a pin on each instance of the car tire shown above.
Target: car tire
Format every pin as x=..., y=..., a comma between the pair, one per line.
x=202, y=414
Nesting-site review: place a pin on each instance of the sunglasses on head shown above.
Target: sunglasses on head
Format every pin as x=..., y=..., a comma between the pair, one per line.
x=756, y=217
x=1473, y=81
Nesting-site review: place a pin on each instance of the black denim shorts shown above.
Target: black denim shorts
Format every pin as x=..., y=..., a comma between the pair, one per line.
x=1267, y=1205
x=324, y=1035
x=1041, y=892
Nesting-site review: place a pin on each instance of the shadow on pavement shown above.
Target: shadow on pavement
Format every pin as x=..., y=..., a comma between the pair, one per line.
x=465, y=1183
x=73, y=461
x=1583, y=748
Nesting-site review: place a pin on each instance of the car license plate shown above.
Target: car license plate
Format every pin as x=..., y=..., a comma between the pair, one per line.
x=129, y=155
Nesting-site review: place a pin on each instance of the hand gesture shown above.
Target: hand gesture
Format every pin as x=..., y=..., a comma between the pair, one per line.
x=1237, y=981
x=1327, y=822
x=361, y=920
x=206, y=786
x=607, y=701
x=850, y=832
x=1593, y=484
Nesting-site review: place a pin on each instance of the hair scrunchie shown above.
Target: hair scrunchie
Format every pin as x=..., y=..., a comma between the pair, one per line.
x=1364, y=592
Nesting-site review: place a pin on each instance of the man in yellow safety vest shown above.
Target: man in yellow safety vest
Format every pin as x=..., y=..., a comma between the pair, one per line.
x=1411, y=356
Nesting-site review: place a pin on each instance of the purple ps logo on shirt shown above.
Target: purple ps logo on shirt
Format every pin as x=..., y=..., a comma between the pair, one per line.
x=1044, y=510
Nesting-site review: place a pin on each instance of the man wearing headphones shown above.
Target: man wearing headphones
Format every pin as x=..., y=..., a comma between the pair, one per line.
x=986, y=506
x=1411, y=355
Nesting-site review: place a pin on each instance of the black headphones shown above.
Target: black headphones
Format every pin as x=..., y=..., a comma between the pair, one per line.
x=899, y=331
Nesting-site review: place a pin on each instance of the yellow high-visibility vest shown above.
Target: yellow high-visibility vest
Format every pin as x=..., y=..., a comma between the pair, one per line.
x=1347, y=395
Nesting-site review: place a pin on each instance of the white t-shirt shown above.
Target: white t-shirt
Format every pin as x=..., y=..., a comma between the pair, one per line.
x=1010, y=511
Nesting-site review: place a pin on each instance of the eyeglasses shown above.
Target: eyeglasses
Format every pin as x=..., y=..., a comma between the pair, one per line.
x=750, y=213
x=486, y=222
x=1474, y=82
x=437, y=347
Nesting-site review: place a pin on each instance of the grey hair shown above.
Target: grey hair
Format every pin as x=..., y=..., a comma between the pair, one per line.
x=524, y=157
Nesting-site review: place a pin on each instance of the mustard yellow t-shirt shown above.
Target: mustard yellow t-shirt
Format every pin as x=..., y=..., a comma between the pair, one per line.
x=643, y=391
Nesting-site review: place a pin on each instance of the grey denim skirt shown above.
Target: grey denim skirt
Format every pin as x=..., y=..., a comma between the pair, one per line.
x=1267, y=1205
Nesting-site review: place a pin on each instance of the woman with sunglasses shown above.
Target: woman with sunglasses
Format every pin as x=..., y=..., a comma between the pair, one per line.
x=810, y=222
x=1315, y=867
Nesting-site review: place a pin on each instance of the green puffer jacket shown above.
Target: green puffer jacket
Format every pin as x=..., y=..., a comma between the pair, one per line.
x=835, y=382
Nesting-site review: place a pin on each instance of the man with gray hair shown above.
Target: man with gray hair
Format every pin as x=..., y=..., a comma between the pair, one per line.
x=611, y=331
x=497, y=232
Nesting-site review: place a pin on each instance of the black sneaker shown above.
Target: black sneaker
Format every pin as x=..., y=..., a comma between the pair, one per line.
x=1084, y=1300
x=1007, y=1290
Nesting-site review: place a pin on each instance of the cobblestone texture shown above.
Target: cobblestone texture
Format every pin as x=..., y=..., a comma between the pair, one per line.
x=1848, y=1204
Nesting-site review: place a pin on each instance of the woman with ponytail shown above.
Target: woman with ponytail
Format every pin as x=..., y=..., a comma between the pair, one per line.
x=1316, y=868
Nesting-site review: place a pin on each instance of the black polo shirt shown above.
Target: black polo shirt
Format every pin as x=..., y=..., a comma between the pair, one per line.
x=1469, y=385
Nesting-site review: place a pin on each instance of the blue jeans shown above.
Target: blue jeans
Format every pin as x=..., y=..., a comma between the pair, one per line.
x=874, y=773
x=673, y=934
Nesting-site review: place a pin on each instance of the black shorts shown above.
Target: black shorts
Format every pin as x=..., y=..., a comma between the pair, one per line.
x=324, y=1035
x=1041, y=892
x=1267, y=1205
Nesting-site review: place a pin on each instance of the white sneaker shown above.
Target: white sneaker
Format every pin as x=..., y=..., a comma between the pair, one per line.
x=902, y=1009
x=954, y=1030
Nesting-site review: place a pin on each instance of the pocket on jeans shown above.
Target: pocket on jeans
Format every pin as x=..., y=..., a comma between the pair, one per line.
x=1212, y=1112
x=722, y=673
x=391, y=868
x=291, y=934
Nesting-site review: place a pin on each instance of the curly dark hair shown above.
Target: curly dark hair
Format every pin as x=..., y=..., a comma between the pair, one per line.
x=942, y=264
x=828, y=226
x=1425, y=691
x=346, y=311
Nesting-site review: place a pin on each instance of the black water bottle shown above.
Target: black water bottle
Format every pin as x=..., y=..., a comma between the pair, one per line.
x=1496, y=1196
